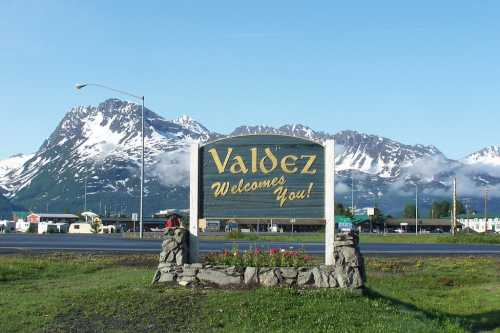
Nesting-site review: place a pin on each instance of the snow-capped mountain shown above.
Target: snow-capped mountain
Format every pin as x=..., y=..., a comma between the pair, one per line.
x=99, y=148
x=488, y=156
x=370, y=154
x=292, y=130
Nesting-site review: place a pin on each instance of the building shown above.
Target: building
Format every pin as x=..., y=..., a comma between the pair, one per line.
x=424, y=225
x=479, y=225
x=46, y=217
x=16, y=216
x=169, y=211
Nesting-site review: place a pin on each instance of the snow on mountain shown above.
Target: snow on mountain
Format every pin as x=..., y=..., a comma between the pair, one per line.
x=101, y=147
x=12, y=163
x=292, y=130
x=376, y=155
x=488, y=156
x=370, y=154
x=9, y=165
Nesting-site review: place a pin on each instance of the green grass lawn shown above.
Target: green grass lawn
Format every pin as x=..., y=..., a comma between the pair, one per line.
x=92, y=293
x=364, y=238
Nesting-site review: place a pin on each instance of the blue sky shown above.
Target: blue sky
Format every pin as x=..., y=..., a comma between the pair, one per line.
x=426, y=72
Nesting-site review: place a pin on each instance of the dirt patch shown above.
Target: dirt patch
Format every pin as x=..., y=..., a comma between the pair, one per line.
x=172, y=312
x=148, y=261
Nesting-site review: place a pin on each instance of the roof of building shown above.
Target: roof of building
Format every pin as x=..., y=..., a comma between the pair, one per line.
x=20, y=214
x=58, y=216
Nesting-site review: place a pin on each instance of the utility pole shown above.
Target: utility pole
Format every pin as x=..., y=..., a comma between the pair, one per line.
x=416, y=209
x=485, y=208
x=352, y=192
x=454, y=211
x=467, y=211
x=85, y=197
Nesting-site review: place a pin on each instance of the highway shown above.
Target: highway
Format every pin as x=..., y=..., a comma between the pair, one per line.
x=11, y=243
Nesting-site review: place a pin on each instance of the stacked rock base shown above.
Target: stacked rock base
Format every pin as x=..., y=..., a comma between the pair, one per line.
x=347, y=271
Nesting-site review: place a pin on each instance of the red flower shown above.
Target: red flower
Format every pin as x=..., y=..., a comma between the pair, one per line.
x=274, y=251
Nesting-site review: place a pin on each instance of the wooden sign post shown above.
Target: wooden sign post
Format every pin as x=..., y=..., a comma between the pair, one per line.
x=329, y=201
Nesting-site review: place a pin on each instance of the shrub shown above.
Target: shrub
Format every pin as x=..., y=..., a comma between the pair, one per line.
x=236, y=234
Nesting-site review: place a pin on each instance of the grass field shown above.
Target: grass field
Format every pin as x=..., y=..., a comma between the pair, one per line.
x=90, y=293
x=364, y=238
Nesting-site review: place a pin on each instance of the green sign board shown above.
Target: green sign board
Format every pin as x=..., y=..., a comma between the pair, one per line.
x=261, y=176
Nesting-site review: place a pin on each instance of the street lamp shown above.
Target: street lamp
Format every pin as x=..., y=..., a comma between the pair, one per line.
x=416, y=209
x=141, y=98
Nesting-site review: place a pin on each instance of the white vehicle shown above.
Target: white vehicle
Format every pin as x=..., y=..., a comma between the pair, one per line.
x=80, y=228
x=62, y=227
x=7, y=226
x=47, y=228
x=22, y=226
x=109, y=229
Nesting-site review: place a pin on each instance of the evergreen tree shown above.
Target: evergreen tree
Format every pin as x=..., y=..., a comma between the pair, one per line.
x=409, y=211
x=442, y=209
x=341, y=210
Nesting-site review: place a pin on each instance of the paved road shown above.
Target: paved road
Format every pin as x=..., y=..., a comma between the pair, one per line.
x=115, y=243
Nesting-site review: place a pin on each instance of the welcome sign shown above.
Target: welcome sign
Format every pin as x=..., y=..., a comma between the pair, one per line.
x=261, y=176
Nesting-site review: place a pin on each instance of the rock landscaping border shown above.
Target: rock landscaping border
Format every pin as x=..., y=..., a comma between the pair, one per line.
x=346, y=272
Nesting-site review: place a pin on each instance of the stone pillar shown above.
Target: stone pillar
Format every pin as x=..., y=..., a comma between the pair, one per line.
x=174, y=252
x=348, y=262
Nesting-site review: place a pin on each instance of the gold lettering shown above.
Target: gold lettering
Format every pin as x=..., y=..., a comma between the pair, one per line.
x=254, y=186
x=238, y=165
x=265, y=183
x=272, y=158
x=274, y=181
x=218, y=163
x=309, y=163
x=246, y=187
x=240, y=186
x=254, y=159
x=220, y=189
x=285, y=164
x=300, y=195
x=281, y=195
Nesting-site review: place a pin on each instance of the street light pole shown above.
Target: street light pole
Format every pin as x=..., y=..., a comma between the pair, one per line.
x=141, y=231
x=85, y=197
x=141, y=98
x=416, y=209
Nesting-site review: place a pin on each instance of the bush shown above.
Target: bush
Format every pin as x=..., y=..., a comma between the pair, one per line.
x=259, y=258
x=236, y=234
x=472, y=238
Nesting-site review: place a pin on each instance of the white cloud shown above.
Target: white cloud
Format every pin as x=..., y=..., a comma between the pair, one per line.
x=172, y=168
x=341, y=188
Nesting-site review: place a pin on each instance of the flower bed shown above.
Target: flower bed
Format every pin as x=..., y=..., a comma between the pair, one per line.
x=269, y=268
x=273, y=257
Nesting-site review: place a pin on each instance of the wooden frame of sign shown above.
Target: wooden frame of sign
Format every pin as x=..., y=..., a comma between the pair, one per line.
x=262, y=177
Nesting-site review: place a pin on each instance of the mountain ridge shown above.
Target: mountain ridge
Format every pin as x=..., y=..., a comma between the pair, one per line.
x=100, y=146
